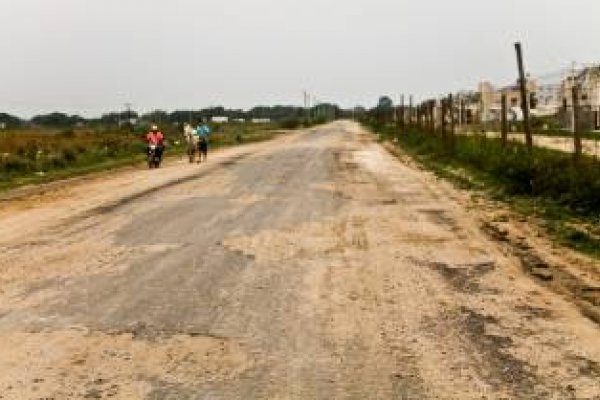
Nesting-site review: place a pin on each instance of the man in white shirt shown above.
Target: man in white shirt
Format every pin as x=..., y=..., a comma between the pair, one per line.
x=192, y=141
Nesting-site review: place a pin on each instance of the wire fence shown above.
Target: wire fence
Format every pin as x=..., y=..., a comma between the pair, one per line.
x=558, y=109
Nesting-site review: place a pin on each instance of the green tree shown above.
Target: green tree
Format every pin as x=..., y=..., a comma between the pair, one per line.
x=385, y=103
x=57, y=120
x=10, y=121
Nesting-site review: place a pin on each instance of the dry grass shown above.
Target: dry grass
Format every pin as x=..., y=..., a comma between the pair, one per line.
x=40, y=155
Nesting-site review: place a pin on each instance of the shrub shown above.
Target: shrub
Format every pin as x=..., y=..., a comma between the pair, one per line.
x=15, y=164
x=58, y=162
x=292, y=123
x=67, y=133
x=69, y=155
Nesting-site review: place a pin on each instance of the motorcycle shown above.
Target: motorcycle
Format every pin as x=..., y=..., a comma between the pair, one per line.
x=154, y=156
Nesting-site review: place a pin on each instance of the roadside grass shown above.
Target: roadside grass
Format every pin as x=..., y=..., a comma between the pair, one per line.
x=30, y=157
x=546, y=184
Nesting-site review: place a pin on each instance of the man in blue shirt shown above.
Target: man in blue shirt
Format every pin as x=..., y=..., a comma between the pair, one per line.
x=203, y=133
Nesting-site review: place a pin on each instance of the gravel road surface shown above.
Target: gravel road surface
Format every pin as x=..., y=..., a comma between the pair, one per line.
x=313, y=266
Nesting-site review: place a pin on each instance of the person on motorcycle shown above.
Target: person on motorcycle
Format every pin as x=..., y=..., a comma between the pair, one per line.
x=155, y=137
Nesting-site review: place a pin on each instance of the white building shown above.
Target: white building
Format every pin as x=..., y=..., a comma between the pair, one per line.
x=220, y=120
x=548, y=99
x=587, y=81
x=261, y=120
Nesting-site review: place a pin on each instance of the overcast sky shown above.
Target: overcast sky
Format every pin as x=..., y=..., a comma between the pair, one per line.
x=92, y=56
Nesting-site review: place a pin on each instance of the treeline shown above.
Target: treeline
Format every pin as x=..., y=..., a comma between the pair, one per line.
x=290, y=115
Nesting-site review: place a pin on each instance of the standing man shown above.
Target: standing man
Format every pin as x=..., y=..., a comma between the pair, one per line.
x=192, y=141
x=203, y=133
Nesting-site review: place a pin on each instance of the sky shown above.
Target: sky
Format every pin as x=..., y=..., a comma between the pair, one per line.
x=89, y=57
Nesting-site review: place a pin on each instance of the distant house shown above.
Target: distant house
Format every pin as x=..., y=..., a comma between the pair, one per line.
x=491, y=100
x=587, y=81
x=261, y=120
x=548, y=99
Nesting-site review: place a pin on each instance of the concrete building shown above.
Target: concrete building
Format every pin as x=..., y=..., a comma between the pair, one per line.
x=587, y=81
x=491, y=100
x=548, y=99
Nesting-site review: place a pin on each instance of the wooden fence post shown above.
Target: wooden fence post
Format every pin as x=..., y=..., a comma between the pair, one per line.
x=443, y=108
x=410, y=110
x=504, y=120
x=576, y=125
x=452, y=122
x=524, y=99
x=402, y=113
x=432, y=116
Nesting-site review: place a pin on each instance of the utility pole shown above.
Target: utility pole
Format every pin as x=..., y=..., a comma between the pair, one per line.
x=128, y=116
x=504, y=120
x=306, y=112
x=524, y=100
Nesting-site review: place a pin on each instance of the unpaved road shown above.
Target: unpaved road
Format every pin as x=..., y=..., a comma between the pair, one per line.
x=314, y=266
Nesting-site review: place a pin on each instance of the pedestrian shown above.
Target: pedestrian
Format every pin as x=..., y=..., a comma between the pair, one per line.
x=203, y=132
x=192, y=142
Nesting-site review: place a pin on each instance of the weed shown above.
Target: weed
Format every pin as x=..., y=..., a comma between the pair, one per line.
x=58, y=154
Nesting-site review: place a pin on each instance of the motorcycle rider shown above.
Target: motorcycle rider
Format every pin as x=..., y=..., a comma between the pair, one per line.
x=156, y=137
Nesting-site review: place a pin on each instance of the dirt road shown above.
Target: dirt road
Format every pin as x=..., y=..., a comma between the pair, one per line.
x=314, y=266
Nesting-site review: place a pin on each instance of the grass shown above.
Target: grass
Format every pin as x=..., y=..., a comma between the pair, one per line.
x=39, y=156
x=563, y=195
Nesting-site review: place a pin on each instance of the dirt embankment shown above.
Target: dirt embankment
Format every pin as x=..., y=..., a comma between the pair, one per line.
x=567, y=272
